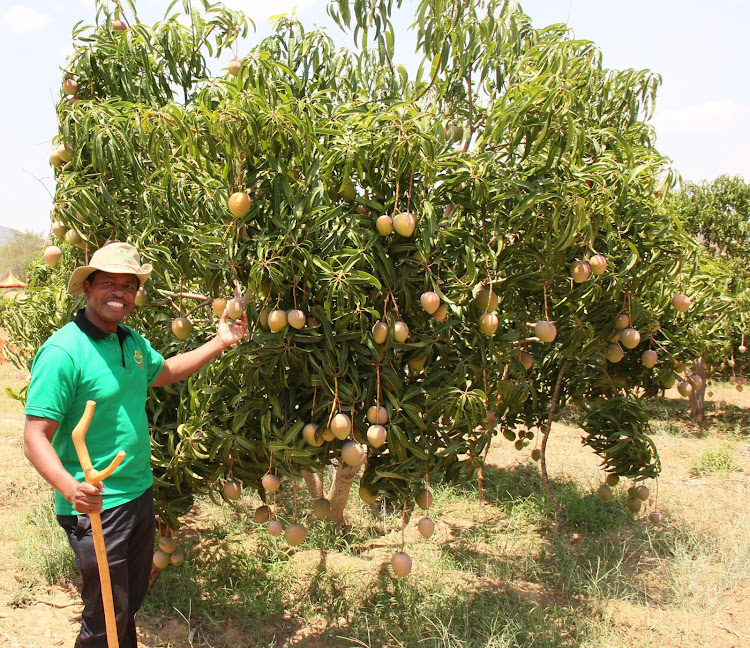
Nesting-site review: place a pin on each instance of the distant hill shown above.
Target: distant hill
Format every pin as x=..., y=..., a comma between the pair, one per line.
x=6, y=233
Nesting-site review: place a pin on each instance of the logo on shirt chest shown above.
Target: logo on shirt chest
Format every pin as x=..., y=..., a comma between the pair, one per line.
x=138, y=357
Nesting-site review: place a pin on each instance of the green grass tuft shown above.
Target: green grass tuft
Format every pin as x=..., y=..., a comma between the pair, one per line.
x=716, y=461
x=42, y=549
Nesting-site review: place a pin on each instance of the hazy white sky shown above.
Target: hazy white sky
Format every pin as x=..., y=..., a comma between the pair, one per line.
x=701, y=50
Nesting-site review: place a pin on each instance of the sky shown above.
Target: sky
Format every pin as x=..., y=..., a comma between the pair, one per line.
x=700, y=49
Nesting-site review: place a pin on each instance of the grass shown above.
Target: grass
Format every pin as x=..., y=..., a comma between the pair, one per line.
x=733, y=419
x=696, y=566
x=669, y=410
x=668, y=428
x=53, y=560
x=41, y=550
x=498, y=579
x=716, y=461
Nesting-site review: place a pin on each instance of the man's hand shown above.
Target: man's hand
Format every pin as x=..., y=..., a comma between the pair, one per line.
x=37, y=446
x=87, y=498
x=184, y=364
x=229, y=334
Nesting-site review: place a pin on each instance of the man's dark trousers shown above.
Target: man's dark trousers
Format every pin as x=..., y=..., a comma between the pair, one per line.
x=129, y=537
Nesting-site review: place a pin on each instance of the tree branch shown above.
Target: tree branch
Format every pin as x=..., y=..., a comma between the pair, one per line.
x=192, y=296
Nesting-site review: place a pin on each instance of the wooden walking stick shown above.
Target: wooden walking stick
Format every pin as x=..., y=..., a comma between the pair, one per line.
x=95, y=477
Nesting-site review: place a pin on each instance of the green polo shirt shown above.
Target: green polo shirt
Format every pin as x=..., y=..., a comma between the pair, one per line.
x=80, y=363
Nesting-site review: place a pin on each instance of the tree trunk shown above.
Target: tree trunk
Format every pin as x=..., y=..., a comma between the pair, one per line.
x=338, y=493
x=698, y=396
x=480, y=475
x=543, y=450
x=314, y=484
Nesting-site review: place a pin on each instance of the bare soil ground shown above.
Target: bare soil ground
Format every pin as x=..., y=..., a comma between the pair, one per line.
x=39, y=617
x=711, y=503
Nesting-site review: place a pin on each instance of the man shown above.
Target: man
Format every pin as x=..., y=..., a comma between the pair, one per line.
x=96, y=358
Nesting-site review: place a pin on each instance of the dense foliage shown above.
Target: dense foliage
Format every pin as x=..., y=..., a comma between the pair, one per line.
x=516, y=151
x=717, y=214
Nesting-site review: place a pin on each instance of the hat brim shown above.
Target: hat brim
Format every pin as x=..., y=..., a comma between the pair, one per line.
x=75, y=285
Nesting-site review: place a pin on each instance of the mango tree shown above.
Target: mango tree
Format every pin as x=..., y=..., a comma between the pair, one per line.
x=716, y=215
x=427, y=262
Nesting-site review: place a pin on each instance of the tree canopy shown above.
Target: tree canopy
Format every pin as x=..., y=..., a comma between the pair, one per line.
x=717, y=215
x=513, y=150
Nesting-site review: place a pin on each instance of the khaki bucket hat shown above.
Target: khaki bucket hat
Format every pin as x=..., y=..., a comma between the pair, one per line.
x=118, y=258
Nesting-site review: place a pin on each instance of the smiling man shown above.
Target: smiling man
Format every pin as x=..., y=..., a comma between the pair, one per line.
x=97, y=358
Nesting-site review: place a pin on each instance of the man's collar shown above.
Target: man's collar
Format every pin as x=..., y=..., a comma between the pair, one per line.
x=94, y=331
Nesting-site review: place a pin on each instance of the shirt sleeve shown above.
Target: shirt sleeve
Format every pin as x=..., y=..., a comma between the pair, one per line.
x=54, y=376
x=154, y=362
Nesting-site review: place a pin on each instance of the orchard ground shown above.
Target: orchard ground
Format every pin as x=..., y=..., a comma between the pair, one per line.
x=491, y=575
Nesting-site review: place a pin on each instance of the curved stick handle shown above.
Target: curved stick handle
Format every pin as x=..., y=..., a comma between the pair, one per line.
x=94, y=477
x=79, y=435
